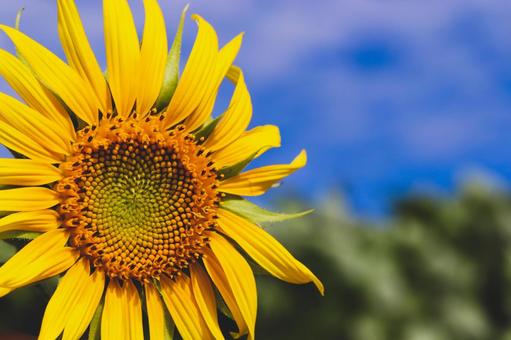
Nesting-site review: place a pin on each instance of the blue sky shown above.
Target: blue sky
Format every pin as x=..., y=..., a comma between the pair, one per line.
x=388, y=97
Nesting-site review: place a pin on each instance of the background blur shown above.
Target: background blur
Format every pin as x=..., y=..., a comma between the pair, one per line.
x=405, y=110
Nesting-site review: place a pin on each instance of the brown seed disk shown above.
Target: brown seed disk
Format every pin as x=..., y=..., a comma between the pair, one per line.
x=139, y=201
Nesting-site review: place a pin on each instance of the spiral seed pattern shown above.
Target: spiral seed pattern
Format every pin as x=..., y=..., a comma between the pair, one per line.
x=140, y=202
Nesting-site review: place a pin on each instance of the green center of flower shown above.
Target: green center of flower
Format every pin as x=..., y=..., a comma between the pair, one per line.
x=139, y=204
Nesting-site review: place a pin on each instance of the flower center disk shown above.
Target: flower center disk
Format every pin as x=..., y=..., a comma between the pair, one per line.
x=138, y=200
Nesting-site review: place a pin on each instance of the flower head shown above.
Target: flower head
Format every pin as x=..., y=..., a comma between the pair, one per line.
x=133, y=187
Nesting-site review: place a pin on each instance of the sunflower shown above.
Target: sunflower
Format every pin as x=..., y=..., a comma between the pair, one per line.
x=131, y=189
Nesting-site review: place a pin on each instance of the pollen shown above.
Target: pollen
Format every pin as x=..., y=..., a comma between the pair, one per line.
x=139, y=201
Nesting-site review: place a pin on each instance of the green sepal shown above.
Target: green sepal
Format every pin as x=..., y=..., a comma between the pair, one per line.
x=172, y=67
x=6, y=251
x=17, y=27
x=207, y=128
x=19, y=235
x=235, y=169
x=256, y=214
x=95, y=324
x=18, y=18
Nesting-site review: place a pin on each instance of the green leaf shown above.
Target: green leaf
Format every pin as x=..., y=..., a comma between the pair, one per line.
x=235, y=169
x=95, y=324
x=19, y=234
x=172, y=68
x=257, y=214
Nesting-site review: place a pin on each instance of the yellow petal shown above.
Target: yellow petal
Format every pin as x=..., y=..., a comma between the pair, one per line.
x=178, y=298
x=217, y=274
x=153, y=57
x=134, y=308
x=23, y=81
x=17, y=141
x=84, y=310
x=27, y=172
x=224, y=60
x=77, y=294
x=257, y=181
x=235, y=120
x=44, y=257
x=5, y=291
x=79, y=52
x=155, y=313
x=38, y=221
x=33, y=124
x=233, y=73
x=122, y=314
x=122, y=53
x=50, y=140
x=265, y=250
x=253, y=142
x=114, y=319
x=205, y=299
x=200, y=115
x=192, y=85
x=240, y=278
x=27, y=199
x=57, y=76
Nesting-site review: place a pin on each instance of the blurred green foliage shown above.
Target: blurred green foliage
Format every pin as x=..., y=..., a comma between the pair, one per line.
x=437, y=268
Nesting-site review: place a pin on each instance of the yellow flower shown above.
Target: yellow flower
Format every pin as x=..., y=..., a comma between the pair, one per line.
x=130, y=181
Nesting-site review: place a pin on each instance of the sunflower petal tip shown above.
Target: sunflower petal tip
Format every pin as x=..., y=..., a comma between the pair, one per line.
x=319, y=285
x=301, y=160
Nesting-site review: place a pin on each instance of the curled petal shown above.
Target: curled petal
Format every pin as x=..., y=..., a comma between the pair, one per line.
x=265, y=249
x=257, y=181
x=254, y=142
